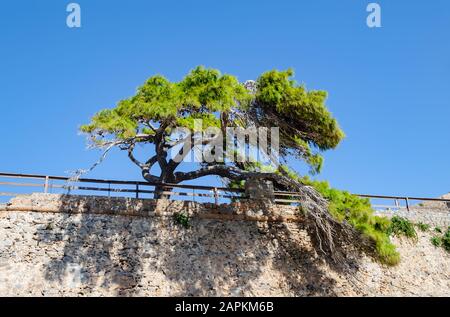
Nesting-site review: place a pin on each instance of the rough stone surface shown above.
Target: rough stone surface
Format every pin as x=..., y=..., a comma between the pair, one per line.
x=93, y=254
x=438, y=217
x=438, y=205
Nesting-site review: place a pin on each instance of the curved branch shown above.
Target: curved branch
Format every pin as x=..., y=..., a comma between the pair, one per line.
x=149, y=177
x=219, y=170
x=132, y=157
x=151, y=161
x=146, y=168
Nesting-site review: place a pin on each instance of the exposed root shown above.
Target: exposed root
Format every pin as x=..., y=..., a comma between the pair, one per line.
x=330, y=236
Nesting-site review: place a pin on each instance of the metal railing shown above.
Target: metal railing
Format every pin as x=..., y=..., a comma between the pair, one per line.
x=140, y=189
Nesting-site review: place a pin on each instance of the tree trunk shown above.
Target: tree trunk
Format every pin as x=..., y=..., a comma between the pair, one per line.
x=159, y=192
x=165, y=177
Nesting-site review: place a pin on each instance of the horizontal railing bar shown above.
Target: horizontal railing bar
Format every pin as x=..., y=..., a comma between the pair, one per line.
x=391, y=206
x=403, y=197
x=115, y=190
x=118, y=182
x=287, y=194
x=22, y=184
x=29, y=176
x=283, y=192
x=9, y=194
x=404, y=207
x=196, y=194
x=287, y=201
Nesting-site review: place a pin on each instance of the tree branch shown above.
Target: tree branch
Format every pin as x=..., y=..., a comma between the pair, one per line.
x=131, y=156
x=151, y=161
x=149, y=177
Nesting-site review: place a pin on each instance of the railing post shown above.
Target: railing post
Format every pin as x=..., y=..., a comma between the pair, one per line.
x=407, y=203
x=216, y=196
x=137, y=190
x=46, y=184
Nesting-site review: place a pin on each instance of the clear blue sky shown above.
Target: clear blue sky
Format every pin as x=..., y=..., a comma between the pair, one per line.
x=388, y=87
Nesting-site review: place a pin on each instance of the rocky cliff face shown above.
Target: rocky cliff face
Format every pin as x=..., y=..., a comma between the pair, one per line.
x=89, y=254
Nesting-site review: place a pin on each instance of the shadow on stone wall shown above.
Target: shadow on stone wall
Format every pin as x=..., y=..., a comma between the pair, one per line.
x=211, y=258
x=215, y=258
x=299, y=263
x=97, y=252
x=240, y=255
x=308, y=271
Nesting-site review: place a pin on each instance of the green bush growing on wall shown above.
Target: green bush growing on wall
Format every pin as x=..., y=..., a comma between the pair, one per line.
x=402, y=227
x=182, y=219
x=423, y=226
x=442, y=241
x=359, y=213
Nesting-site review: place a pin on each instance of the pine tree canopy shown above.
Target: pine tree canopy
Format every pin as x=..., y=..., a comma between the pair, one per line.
x=306, y=127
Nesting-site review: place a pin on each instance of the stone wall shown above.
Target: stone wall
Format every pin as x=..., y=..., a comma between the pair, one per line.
x=53, y=245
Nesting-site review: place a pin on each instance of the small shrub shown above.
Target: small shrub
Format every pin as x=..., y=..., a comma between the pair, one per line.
x=437, y=229
x=442, y=241
x=446, y=240
x=402, y=227
x=182, y=219
x=423, y=226
x=436, y=241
